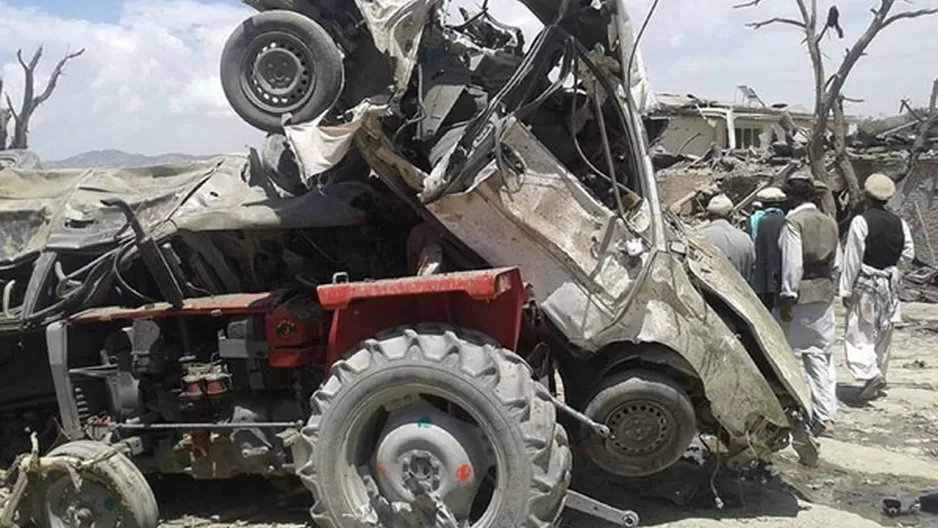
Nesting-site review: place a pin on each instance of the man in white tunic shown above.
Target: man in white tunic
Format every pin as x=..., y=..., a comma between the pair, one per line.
x=810, y=260
x=877, y=242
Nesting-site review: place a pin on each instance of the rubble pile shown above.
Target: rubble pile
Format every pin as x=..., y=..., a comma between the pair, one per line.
x=920, y=284
x=686, y=185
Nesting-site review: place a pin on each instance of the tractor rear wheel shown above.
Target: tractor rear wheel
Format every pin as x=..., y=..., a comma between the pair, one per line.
x=434, y=422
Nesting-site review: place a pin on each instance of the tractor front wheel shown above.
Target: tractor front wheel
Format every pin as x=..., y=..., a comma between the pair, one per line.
x=433, y=422
x=110, y=492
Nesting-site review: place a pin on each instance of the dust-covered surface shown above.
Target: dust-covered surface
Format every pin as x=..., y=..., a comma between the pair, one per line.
x=887, y=448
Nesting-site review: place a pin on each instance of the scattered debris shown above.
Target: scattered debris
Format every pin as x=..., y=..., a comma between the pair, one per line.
x=901, y=506
x=917, y=364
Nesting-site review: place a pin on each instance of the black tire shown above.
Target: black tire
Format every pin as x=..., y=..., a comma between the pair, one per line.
x=307, y=68
x=655, y=419
x=116, y=473
x=493, y=384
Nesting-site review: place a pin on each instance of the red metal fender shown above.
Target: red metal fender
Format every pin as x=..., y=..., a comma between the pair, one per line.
x=488, y=301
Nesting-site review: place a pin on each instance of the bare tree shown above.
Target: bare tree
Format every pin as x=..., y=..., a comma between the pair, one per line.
x=31, y=100
x=828, y=90
x=926, y=124
x=5, y=114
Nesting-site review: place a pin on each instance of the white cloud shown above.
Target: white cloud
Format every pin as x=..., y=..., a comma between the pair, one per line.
x=716, y=52
x=148, y=81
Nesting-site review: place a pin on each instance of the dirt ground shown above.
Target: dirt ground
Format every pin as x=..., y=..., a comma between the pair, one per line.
x=887, y=448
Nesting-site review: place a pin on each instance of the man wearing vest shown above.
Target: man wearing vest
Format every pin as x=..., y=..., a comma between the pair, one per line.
x=878, y=240
x=810, y=261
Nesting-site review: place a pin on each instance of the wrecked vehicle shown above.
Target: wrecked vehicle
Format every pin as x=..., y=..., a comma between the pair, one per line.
x=450, y=237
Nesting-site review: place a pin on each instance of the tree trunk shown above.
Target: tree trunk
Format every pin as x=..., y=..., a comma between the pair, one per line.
x=21, y=132
x=844, y=166
x=4, y=123
x=921, y=137
x=4, y=120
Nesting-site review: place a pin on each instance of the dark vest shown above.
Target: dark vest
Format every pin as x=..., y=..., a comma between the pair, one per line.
x=767, y=278
x=819, y=254
x=884, y=240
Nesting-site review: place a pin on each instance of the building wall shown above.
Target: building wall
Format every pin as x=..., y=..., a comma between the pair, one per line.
x=706, y=131
x=682, y=128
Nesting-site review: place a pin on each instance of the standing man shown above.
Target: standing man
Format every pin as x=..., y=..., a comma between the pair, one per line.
x=758, y=211
x=767, y=276
x=732, y=241
x=877, y=242
x=808, y=243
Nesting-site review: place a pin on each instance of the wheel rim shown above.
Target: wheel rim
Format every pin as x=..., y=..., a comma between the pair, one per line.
x=278, y=73
x=361, y=436
x=93, y=506
x=640, y=428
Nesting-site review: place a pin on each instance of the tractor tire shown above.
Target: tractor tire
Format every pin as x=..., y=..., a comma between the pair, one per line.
x=281, y=62
x=113, y=493
x=493, y=385
x=652, y=420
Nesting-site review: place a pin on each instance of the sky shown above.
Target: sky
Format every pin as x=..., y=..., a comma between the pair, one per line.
x=148, y=81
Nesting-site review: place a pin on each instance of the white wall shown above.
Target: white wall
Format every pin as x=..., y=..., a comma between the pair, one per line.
x=682, y=128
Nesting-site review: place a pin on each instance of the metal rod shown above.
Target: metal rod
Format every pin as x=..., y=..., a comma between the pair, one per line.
x=607, y=151
x=197, y=425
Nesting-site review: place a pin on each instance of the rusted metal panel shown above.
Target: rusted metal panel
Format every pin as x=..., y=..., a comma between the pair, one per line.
x=479, y=285
x=487, y=301
x=233, y=304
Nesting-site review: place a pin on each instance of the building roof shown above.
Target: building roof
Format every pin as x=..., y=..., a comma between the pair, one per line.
x=690, y=104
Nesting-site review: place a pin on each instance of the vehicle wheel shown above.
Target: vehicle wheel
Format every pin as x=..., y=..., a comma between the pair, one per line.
x=652, y=421
x=113, y=492
x=434, y=409
x=280, y=62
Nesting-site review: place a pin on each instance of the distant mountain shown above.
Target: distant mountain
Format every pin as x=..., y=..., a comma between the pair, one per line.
x=107, y=159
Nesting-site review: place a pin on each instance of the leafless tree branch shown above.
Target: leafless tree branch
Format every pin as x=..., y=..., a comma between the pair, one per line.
x=776, y=20
x=751, y=3
x=30, y=100
x=4, y=121
x=10, y=108
x=54, y=77
x=921, y=137
x=909, y=15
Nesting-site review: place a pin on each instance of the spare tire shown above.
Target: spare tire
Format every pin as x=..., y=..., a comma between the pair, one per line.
x=281, y=62
x=467, y=389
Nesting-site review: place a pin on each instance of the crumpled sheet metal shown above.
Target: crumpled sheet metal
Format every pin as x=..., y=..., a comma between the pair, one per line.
x=667, y=309
x=719, y=278
x=319, y=147
x=561, y=256
x=642, y=94
x=544, y=222
x=397, y=28
x=62, y=210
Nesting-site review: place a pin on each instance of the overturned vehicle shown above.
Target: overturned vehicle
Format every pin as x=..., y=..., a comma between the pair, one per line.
x=449, y=236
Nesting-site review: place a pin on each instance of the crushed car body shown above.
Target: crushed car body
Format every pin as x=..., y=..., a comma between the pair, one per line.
x=522, y=178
